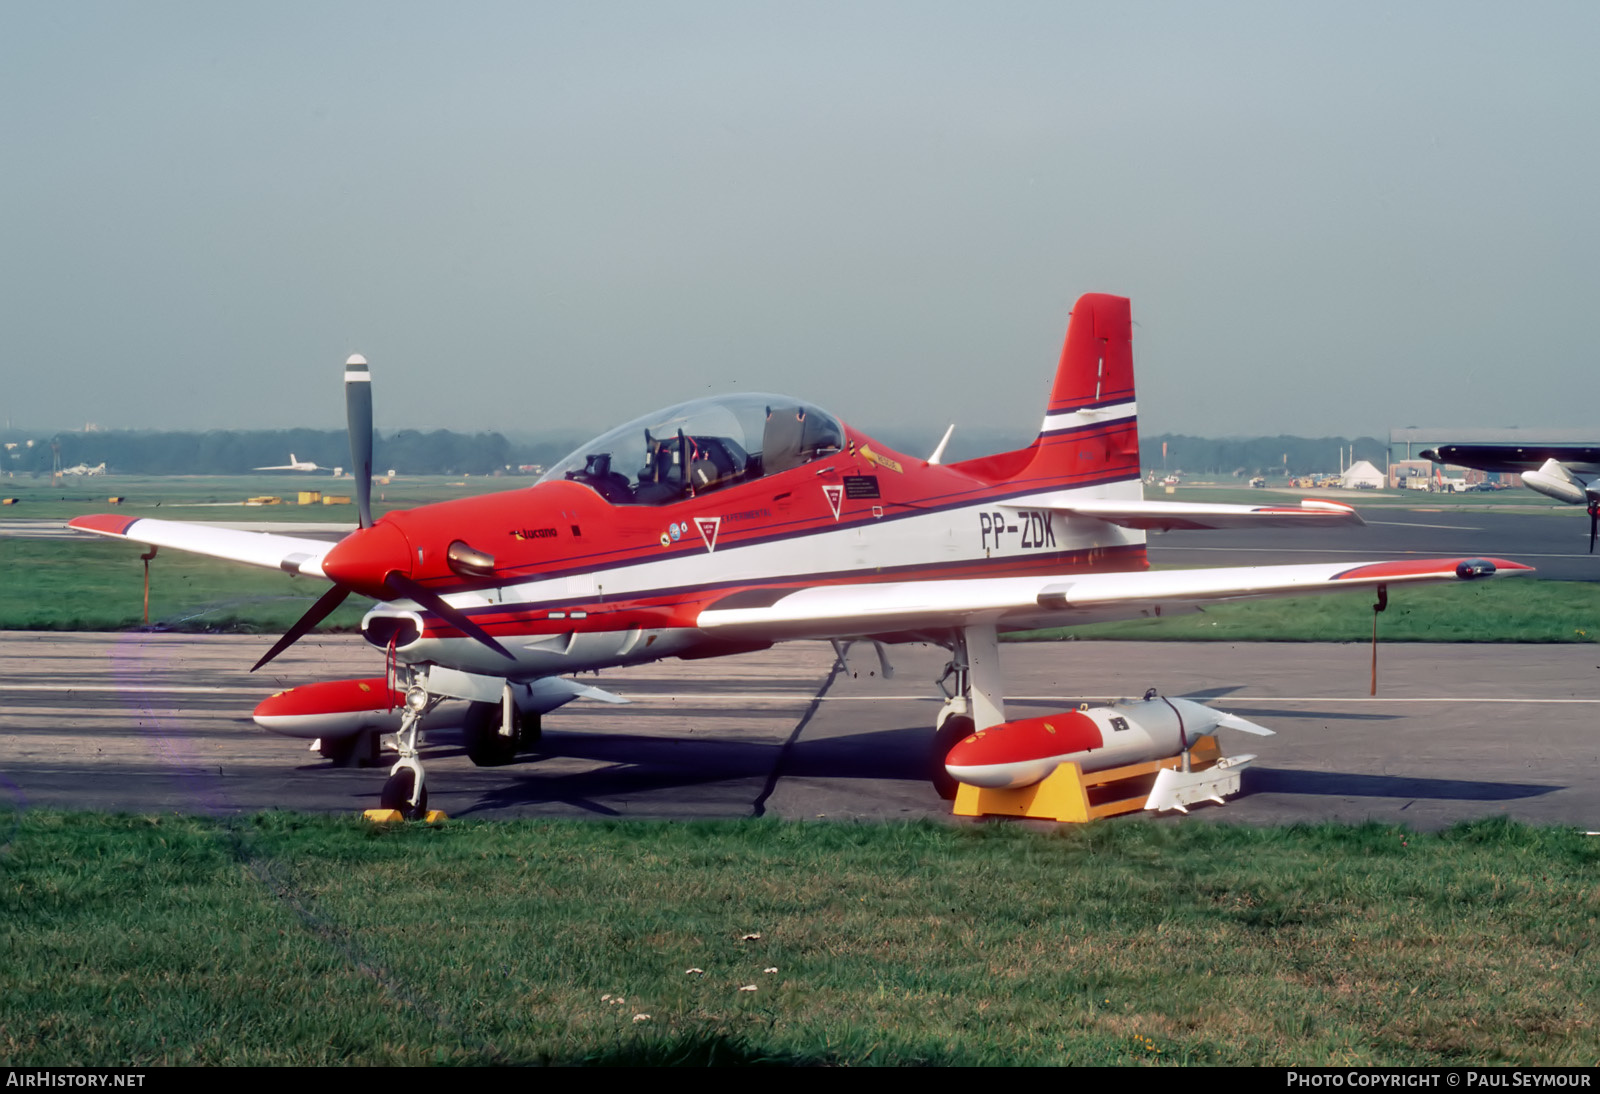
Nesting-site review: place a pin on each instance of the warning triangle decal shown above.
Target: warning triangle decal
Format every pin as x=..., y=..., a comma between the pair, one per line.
x=835, y=496
x=708, y=530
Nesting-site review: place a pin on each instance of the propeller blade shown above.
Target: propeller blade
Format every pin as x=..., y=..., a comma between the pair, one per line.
x=358, y=415
x=404, y=586
x=319, y=611
x=1594, y=523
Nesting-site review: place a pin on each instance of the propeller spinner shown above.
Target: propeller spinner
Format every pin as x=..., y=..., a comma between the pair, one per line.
x=375, y=560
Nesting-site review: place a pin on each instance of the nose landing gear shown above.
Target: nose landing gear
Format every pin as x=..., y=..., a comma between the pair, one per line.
x=406, y=792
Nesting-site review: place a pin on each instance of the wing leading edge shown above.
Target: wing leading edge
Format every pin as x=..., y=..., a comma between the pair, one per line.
x=290, y=554
x=838, y=611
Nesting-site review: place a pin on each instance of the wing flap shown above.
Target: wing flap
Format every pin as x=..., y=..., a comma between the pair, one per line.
x=839, y=611
x=290, y=554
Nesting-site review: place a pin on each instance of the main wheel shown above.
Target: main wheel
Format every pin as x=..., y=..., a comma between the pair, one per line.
x=955, y=729
x=480, y=733
x=397, y=794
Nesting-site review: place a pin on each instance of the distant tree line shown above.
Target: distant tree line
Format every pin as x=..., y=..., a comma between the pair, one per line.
x=1251, y=456
x=442, y=452
x=230, y=452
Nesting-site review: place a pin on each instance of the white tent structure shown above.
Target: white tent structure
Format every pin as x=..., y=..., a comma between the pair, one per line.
x=1361, y=476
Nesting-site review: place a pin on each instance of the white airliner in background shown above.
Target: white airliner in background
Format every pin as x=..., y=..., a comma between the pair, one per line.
x=293, y=465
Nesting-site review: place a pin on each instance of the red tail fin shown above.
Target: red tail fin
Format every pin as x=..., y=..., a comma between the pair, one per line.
x=1090, y=434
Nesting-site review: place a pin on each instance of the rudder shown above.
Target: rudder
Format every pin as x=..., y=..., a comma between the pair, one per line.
x=1090, y=433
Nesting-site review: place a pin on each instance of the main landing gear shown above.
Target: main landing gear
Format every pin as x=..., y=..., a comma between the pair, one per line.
x=495, y=733
x=974, y=700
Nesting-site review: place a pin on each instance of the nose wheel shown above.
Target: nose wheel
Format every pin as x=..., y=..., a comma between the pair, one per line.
x=405, y=792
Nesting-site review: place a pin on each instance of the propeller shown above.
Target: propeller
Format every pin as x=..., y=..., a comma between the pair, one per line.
x=361, y=557
x=406, y=587
x=1594, y=521
x=358, y=417
x=324, y=607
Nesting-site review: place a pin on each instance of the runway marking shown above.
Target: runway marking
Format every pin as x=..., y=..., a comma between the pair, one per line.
x=1419, y=524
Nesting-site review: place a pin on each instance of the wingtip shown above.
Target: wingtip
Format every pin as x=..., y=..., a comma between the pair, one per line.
x=1422, y=569
x=107, y=524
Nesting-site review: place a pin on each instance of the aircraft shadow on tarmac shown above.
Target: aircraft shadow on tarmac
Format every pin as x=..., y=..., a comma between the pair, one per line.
x=1344, y=784
x=641, y=764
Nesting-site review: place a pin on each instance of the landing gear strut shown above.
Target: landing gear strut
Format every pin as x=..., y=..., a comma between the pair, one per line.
x=406, y=791
x=974, y=700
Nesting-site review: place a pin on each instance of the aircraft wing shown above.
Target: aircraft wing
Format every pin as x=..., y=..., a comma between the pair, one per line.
x=1512, y=457
x=1012, y=603
x=274, y=552
x=1166, y=515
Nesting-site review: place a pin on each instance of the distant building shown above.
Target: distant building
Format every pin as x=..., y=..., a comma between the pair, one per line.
x=1401, y=472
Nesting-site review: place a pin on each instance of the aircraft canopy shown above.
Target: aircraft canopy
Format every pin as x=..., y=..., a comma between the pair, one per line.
x=699, y=446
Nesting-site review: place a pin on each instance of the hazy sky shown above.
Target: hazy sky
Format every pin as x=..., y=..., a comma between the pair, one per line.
x=1332, y=218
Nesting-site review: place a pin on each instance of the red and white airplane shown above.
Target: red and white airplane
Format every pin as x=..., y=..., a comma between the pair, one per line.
x=728, y=524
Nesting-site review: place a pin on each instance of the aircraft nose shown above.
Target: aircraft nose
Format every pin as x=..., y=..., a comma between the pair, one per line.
x=366, y=556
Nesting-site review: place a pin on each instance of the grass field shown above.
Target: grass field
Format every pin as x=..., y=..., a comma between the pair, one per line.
x=1513, y=610
x=291, y=940
x=222, y=497
x=98, y=585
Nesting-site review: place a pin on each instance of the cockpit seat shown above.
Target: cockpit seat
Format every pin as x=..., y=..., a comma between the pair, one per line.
x=609, y=484
x=782, y=438
x=717, y=461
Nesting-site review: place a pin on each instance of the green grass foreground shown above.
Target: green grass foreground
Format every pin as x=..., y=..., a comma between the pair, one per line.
x=284, y=939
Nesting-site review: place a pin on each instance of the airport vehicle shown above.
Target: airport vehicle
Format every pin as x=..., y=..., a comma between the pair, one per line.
x=1569, y=473
x=731, y=523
